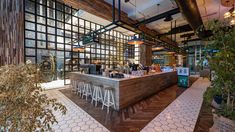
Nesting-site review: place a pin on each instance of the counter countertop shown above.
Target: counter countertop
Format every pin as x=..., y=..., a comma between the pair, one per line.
x=122, y=79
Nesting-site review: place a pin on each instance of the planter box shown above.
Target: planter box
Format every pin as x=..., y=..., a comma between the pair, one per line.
x=222, y=124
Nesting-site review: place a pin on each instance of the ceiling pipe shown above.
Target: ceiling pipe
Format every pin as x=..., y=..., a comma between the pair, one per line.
x=158, y=17
x=190, y=10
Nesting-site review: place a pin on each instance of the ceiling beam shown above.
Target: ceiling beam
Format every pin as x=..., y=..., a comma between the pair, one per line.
x=103, y=9
x=159, y=16
x=191, y=12
x=179, y=29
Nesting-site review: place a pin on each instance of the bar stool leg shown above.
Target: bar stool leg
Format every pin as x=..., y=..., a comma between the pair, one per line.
x=114, y=105
x=94, y=95
x=108, y=101
x=100, y=97
x=104, y=100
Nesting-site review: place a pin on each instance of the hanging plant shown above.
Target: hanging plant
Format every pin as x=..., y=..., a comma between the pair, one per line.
x=23, y=105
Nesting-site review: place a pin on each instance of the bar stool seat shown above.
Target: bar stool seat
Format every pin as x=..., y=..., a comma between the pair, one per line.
x=108, y=98
x=87, y=91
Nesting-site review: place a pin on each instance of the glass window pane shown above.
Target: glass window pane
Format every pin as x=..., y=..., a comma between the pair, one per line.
x=60, y=39
x=60, y=46
x=30, y=52
x=41, y=20
x=60, y=16
x=41, y=28
x=29, y=6
x=41, y=44
x=51, y=22
x=51, y=38
x=30, y=34
x=42, y=2
x=60, y=32
x=29, y=43
x=29, y=17
x=51, y=30
x=50, y=13
x=51, y=3
x=29, y=25
x=41, y=10
x=51, y=45
x=59, y=6
x=67, y=9
x=41, y=36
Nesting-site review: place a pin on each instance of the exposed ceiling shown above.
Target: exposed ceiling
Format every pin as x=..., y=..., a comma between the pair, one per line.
x=88, y=16
x=212, y=9
x=144, y=9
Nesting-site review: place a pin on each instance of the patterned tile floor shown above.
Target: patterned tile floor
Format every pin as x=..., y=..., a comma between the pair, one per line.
x=76, y=120
x=181, y=115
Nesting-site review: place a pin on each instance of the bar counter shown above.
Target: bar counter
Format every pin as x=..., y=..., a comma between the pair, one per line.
x=131, y=90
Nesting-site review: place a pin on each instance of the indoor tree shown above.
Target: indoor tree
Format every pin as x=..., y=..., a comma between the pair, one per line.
x=23, y=104
x=220, y=51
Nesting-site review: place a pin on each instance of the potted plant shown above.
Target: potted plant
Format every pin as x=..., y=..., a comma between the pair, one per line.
x=23, y=105
x=220, y=51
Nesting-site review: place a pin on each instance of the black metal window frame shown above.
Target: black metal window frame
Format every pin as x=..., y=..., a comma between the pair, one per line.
x=110, y=51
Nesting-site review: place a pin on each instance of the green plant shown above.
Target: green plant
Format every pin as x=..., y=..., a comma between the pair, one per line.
x=220, y=51
x=23, y=105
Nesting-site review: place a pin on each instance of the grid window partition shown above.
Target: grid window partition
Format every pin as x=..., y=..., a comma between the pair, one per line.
x=52, y=29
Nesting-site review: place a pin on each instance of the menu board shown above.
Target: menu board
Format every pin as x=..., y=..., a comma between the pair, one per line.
x=182, y=71
x=183, y=77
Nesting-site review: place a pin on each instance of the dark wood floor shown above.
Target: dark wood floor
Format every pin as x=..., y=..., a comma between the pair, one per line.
x=205, y=119
x=133, y=118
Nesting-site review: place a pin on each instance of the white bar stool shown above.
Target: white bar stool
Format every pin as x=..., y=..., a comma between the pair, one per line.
x=97, y=94
x=108, y=98
x=73, y=85
x=87, y=91
x=80, y=88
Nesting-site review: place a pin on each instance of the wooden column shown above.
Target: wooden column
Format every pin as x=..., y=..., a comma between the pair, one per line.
x=11, y=32
x=146, y=54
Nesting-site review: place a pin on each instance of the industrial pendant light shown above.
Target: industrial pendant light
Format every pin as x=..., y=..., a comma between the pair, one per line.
x=135, y=40
x=80, y=49
x=168, y=18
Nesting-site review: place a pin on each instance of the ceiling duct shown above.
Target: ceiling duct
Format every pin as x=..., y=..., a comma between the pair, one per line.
x=158, y=17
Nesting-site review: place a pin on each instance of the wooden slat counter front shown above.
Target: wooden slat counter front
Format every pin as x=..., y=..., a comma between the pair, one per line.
x=131, y=90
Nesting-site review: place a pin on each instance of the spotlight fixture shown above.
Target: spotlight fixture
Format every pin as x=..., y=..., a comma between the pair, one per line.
x=168, y=18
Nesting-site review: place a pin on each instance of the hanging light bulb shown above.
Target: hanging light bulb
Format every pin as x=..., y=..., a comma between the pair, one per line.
x=232, y=22
x=227, y=15
x=233, y=13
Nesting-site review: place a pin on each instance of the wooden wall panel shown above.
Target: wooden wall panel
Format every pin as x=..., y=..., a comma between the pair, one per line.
x=11, y=32
x=146, y=54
